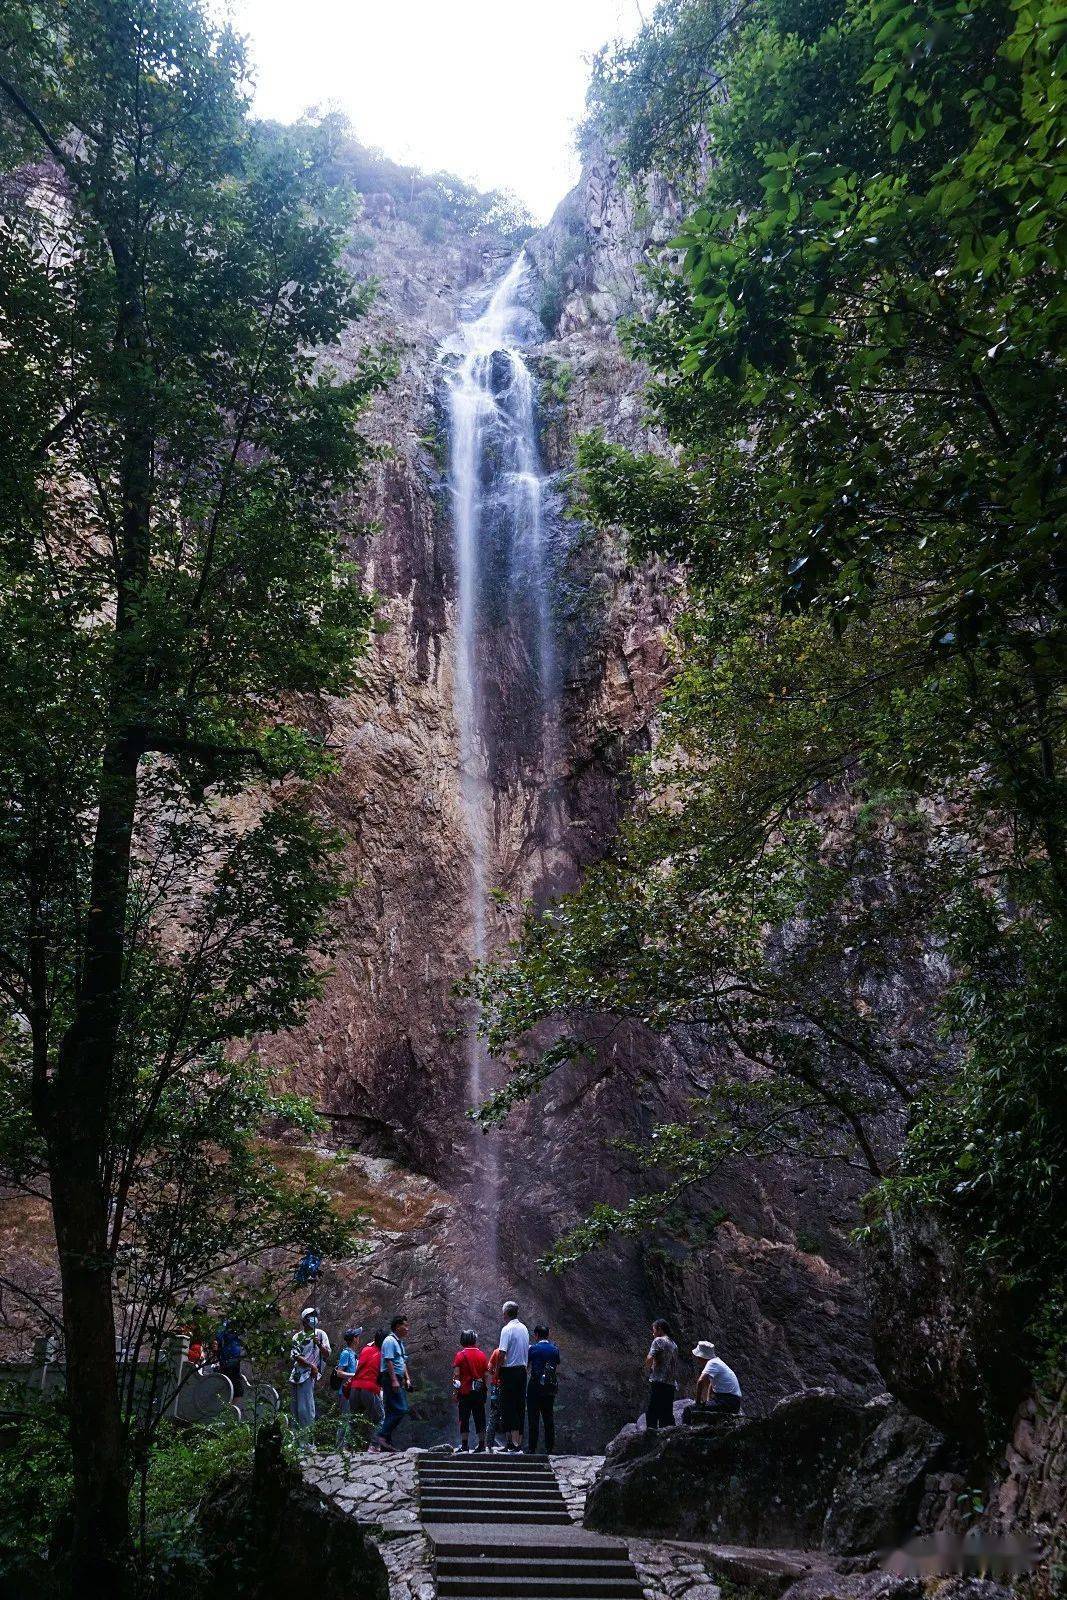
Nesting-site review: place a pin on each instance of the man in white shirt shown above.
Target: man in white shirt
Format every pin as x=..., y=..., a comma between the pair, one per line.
x=310, y=1348
x=514, y=1341
x=717, y=1385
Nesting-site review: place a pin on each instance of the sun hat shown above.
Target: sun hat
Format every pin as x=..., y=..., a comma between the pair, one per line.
x=705, y=1350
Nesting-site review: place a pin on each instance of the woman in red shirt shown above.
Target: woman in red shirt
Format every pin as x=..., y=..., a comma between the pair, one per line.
x=468, y=1385
x=363, y=1389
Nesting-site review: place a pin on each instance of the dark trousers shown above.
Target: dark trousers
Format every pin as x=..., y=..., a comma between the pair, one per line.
x=512, y=1399
x=659, y=1413
x=396, y=1409
x=540, y=1404
x=494, y=1417
x=472, y=1409
x=725, y=1402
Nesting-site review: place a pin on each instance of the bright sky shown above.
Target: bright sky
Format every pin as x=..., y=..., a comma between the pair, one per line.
x=490, y=90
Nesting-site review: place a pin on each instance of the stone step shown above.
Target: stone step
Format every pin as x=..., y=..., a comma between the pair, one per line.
x=537, y=1577
x=487, y=1514
x=491, y=1485
x=495, y=1501
x=482, y=1461
x=475, y=1548
x=533, y=1563
x=476, y=1475
x=572, y=1582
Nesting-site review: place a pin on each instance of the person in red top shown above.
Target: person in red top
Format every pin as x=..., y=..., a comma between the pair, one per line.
x=468, y=1384
x=364, y=1387
x=496, y=1361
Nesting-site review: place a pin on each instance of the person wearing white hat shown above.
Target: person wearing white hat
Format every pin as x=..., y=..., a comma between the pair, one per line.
x=309, y=1348
x=717, y=1385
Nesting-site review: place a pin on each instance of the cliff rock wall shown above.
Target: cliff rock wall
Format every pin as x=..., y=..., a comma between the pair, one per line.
x=385, y=1052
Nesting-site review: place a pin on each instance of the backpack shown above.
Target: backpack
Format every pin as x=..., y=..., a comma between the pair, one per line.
x=550, y=1378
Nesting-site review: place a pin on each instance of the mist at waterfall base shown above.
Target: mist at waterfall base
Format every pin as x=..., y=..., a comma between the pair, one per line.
x=506, y=689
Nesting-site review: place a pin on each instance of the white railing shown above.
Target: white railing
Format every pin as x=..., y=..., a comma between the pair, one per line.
x=182, y=1390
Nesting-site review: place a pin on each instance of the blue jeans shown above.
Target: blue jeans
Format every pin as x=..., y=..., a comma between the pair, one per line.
x=303, y=1406
x=396, y=1409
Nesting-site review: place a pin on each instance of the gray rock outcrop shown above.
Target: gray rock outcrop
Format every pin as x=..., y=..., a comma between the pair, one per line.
x=820, y=1471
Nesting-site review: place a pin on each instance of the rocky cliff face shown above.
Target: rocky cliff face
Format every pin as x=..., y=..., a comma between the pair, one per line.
x=385, y=1051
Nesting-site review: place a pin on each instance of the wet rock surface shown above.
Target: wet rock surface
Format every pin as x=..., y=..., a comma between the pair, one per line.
x=384, y=1052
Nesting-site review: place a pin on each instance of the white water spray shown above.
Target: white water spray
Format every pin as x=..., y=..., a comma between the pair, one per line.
x=504, y=606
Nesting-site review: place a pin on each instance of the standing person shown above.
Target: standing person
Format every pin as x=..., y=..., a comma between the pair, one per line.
x=396, y=1381
x=469, y=1371
x=310, y=1347
x=230, y=1350
x=515, y=1343
x=541, y=1389
x=343, y=1373
x=661, y=1364
x=717, y=1385
x=365, y=1388
x=496, y=1361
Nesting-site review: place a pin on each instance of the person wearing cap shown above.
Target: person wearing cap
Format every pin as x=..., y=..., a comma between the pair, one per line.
x=717, y=1385
x=343, y=1372
x=309, y=1348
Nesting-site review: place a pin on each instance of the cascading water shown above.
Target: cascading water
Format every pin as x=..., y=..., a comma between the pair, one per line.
x=505, y=677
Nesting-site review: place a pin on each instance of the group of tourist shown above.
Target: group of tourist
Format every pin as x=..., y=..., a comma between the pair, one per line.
x=499, y=1396
x=371, y=1380
x=513, y=1388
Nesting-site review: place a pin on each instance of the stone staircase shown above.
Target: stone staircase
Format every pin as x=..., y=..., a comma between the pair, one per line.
x=499, y=1527
x=472, y=1570
x=489, y=1489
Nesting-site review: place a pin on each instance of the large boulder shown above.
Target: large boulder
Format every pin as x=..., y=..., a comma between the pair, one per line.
x=948, y=1344
x=821, y=1470
x=876, y=1498
x=270, y=1536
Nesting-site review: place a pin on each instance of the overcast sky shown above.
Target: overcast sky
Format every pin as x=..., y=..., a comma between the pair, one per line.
x=488, y=89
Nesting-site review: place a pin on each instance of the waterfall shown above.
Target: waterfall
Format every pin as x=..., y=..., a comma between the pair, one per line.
x=505, y=674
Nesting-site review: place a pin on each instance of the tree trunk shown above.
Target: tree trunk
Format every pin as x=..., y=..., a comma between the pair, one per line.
x=101, y=1554
x=80, y=1129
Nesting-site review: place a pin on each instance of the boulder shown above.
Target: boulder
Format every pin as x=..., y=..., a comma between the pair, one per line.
x=821, y=1470
x=876, y=1498
x=948, y=1345
x=268, y=1536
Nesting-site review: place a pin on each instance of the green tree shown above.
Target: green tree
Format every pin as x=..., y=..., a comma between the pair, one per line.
x=174, y=453
x=858, y=356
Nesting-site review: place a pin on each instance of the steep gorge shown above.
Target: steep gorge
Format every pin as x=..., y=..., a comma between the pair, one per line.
x=387, y=1053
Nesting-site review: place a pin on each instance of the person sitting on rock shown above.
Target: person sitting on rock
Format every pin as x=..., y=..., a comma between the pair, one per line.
x=717, y=1386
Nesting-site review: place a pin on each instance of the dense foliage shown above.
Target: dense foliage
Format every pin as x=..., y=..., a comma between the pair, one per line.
x=847, y=863
x=172, y=581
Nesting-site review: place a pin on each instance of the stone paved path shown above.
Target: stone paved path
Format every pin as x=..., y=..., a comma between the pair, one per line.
x=442, y=1560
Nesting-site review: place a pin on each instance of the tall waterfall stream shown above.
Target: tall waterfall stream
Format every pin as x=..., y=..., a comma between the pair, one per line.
x=497, y=486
